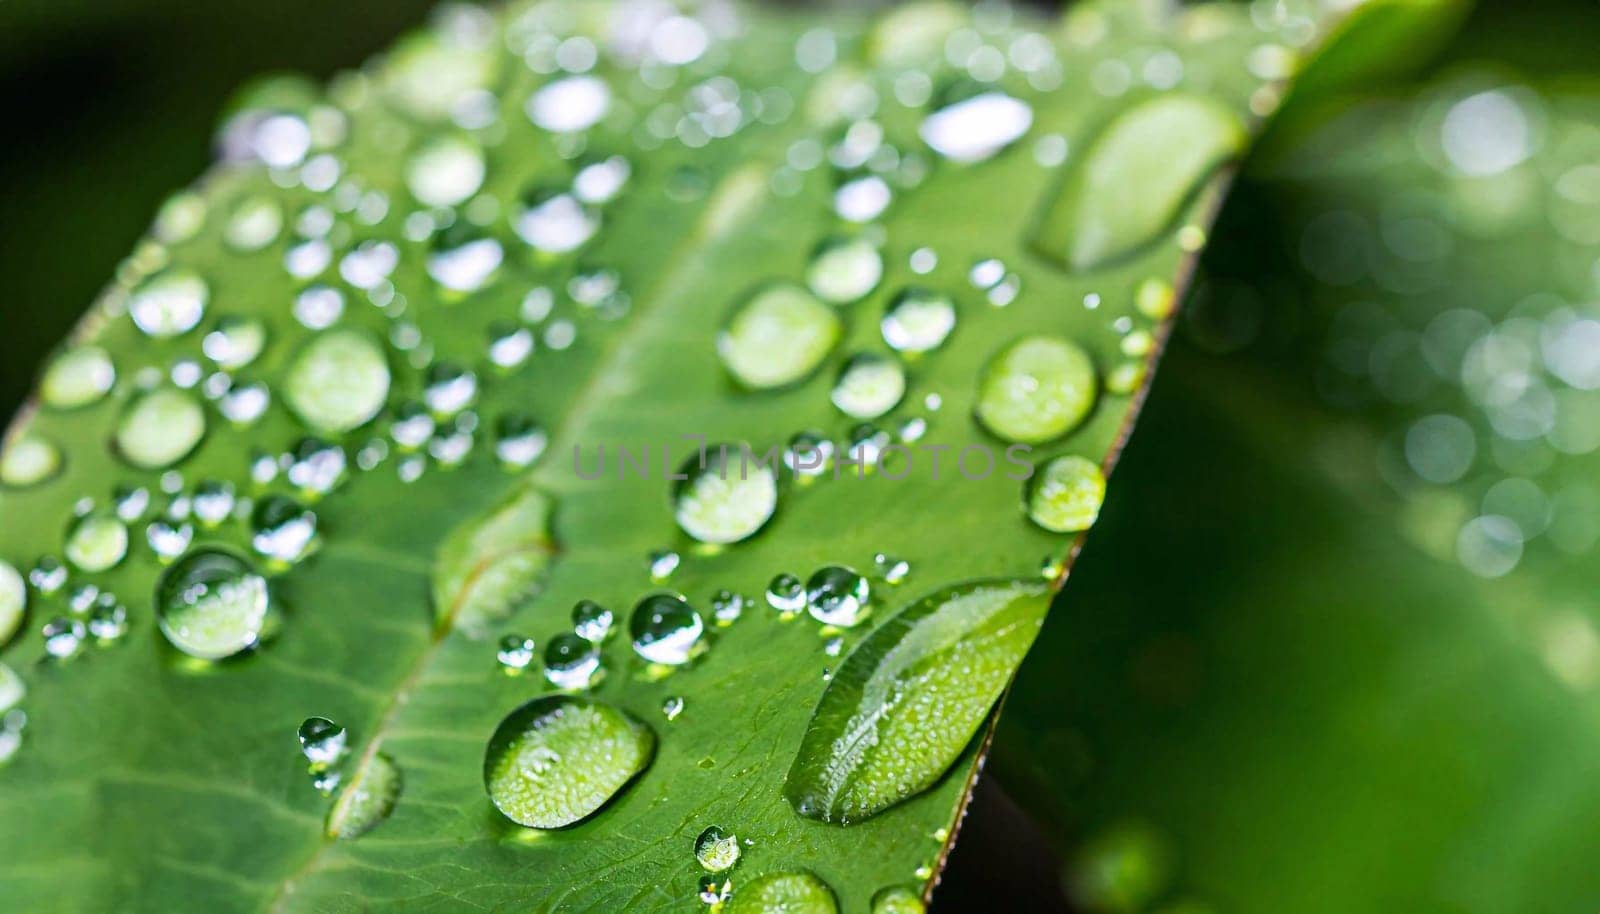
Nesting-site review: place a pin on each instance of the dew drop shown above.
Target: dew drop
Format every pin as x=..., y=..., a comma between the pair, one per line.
x=412, y=426
x=893, y=570
x=809, y=454
x=281, y=529
x=862, y=199
x=519, y=441
x=463, y=259
x=662, y=564
x=786, y=594
x=13, y=603
x=600, y=181
x=338, y=381
x=446, y=171
x=778, y=337
x=516, y=653
x=918, y=320
x=556, y=222
x=318, y=307
x=169, y=303
x=159, y=428
x=168, y=538
x=572, y=662
x=322, y=741
x=843, y=270
x=592, y=622
x=234, y=342
x=716, y=850
x=78, y=377
x=727, y=607
x=29, y=460
x=1036, y=389
x=869, y=385
x=672, y=707
x=97, y=542
x=63, y=637
x=211, y=604
x=12, y=689
x=784, y=893
x=509, y=345
x=721, y=502
x=316, y=466
x=558, y=759
x=837, y=596
x=367, y=801
x=570, y=105
x=898, y=900
x=666, y=630
x=976, y=128
x=108, y=620
x=254, y=223
x=1065, y=494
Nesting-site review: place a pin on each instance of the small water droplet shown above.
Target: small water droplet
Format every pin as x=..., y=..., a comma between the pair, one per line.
x=600, y=181
x=159, y=428
x=519, y=441
x=809, y=454
x=786, y=594
x=322, y=741
x=558, y=759
x=843, y=270
x=515, y=653
x=727, y=607
x=592, y=622
x=211, y=604
x=662, y=564
x=48, y=576
x=282, y=529
x=836, y=595
x=893, y=570
x=245, y=403
x=717, y=850
x=168, y=538
x=715, y=892
x=108, y=620
x=666, y=630
x=318, y=307
x=1036, y=389
x=78, y=377
x=898, y=900
x=449, y=389
x=510, y=344
x=555, y=222
x=862, y=199
x=672, y=707
x=572, y=662
x=869, y=385
x=463, y=259
x=254, y=223
x=918, y=320
x=63, y=637
x=316, y=466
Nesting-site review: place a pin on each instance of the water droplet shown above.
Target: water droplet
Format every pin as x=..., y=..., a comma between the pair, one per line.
x=322, y=741
x=316, y=466
x=918, y=320
x=509, y=344
x=672, y=707
x=725, y=498
x=837, y=596
x=245, y=403
x=662, y=564
x=515, y=653
x=159, y=428
x=786, y=594
x=169, y=303
x=666, y=630
x=872, y=743
x=976, y=128
x=558, y=759
x=254, y=223
x=843, y=270
x=570, y=105
x=367, y=800
x=1065, y=494
x=282, y=529
x=168, y=538
x=600, y=181
x=235, y=342
x=63, y=637
x=862, y=199
x=464, y=259
x=412, y=426
x=211, y=604
x=717, y=850
x=778, y=337
x=784, y=893
x=446, y=171
x=48, y=576
x=12, y=689
x=108, y=620
x=338, y=382
x=898, y=900
x=1036, y=389
x=449, y=389
x=318, y=307
x=809, y=454
x=591, y=621
x=97, y=542
x=572, y=662
x=1133, y=180
x=869, y=385
x=727, y=607
x=555, y=222
x=29, y=460
x=13, y=602
x=78, y=377
x=519, y=441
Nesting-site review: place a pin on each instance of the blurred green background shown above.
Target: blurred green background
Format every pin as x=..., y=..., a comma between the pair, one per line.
x=1202, y=760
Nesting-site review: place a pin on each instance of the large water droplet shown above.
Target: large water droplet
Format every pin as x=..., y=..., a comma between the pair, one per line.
x=784, y=893
x=78, y=377
x=918, y=320
x=1036, y=389
x=13, y=603
x=159, y=428
x=727, y=497
x=1065, y=494
x=558, y=759
x=716, y=850
x=29, y=460
x=975, y=128
x=446, y=171
x=906, y=702
x=97, y=542
x=836, y=595
x=898, y=900
x=1136, y=176
x=778, y=337
x=666, y=630
x=169, y=303
x=367, y=800
x=338, y=382
x=844, y=269
x=869, y=385
x=211, y=604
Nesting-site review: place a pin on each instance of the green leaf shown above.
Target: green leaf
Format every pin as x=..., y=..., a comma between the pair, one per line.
x=356, y=380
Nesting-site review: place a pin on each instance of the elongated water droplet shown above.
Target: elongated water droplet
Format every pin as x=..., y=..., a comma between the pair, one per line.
x=778, y=337
x=78, y=377
x=784, y=893
x=869, y=385
x=716, y=850
x=838, y=596
x=975, y=128
x=446, y=171
x=1036, y=389
x=591, y=621
x=906, y=702
x=338, y=381
x=1065, y=494
x=1135, y=177
x=322, y=741
x=211, y=604
x=662, y=564
x=570, y=105
x=666, y=630
x=169, y=303
x=844, y=270
x=918, y=320
x=29, y=460
x=727, y=497
x=898, y=900
x=159, y=428
x=491, y=563
x=97, y=542
x=558, y=759
x=572, y=662
x=367, y=801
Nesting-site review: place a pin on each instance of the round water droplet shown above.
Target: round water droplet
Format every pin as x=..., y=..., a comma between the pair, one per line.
x=159, y=428
x=727, y=607
x=843, y=270
x=572, y=662
x=235, y=342
x=463, y=258
x=338, y=382
x=254, y=223
x=838, y=596
x=97, y=542
x=449, y=389
x=716, y=850
x=591, y=621
x=13, y=603
x=1064, y=495
x=519, y=441
x=29, y=460
x=78, y=377
x=1036, y=389
x=108, y=621
x=318, y=307
x=809, y=454
x=515, y=653
x=666, y=630
x=862, y=199
x=322, y=741
x=869, y=385
x=727, y=497
x=918, y=320
x=446, y=171
x=169, y=303
x=784, y=893
x=282, y=529
x=778, y=337
x=786, y=594
x=316, y=466
x=63, y=637
x=898, y=900
x=556, y=222
x=211, y=604
x=367, y=800
x=213, y=502
x=570, y=105
x=558, y=759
